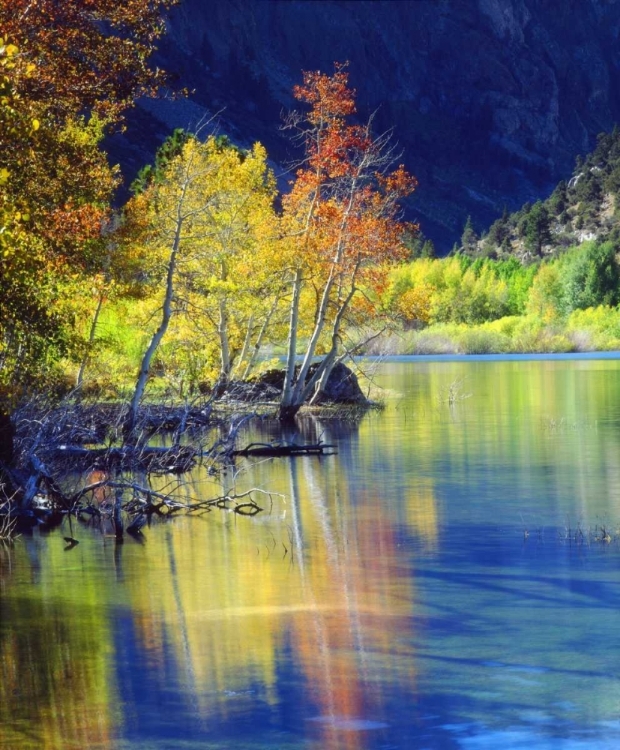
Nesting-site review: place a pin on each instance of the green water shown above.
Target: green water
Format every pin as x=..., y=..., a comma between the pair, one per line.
x=440, y=583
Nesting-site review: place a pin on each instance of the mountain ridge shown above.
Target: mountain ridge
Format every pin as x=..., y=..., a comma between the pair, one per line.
x=490, y=100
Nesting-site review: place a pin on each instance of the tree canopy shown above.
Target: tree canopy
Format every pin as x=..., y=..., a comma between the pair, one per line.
x=67, y=71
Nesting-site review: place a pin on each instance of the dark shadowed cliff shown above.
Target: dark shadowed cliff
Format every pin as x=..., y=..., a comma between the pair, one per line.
x=491, y=100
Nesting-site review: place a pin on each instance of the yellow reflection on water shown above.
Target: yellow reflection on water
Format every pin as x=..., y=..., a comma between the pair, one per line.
x=56, y=680
x=321, y=588
x=421, y=511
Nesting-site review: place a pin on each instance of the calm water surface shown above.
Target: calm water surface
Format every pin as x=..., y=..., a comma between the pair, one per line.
x=418, y=590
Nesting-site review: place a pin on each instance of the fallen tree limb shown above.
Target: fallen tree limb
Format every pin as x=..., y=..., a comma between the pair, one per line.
x=284, y=449
x=145, y=501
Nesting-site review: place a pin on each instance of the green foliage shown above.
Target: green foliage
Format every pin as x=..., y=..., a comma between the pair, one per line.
x=595, y=328
x=512, y=334
x=169, y=149
x=481, y=340
x=418, y=245
x=463, y=290
x=604, y=161
x=56, y=262
x=558, y=201
x=498, y=236
x=481, y=305
x=536, y=228
x=590, y=276
x=469, y=238
x=519, y=280
x=588, y=202
x=67, y=72
x=546, y=298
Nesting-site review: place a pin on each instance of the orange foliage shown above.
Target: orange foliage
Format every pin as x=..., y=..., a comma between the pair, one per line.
x=67, y=70
x=87, y=53
x=344, y=189
x=341, y=220
x=329, y=96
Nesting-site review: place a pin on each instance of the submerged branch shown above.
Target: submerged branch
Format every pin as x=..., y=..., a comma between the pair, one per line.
x=146, y=501
x=285, y=449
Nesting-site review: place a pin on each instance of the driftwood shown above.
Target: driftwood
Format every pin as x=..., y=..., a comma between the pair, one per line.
x=145, y=502
x=173, y=460
x=52, y=445
x=51, y=448
x=285, y=449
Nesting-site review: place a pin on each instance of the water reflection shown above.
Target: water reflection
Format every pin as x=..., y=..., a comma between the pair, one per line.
x=387, y=597
x=56, y=680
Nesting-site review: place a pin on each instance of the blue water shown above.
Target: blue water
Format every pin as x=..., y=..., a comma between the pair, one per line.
x=450, y=579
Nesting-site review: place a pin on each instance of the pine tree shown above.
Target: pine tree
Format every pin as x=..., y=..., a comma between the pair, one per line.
x=537, y=228
x=469, y=238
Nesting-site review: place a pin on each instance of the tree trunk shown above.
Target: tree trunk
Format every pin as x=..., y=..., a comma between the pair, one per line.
x=91, y=341
x=145, y=367
x=320, y=387
x=287, y=392
x=331, y=359
x=7, y=439
x=222, y=330
x=259, y=339
x=288, y=413
x=300, y=391
x=245, y=348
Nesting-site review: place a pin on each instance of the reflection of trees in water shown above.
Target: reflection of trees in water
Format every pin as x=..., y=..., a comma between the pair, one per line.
x=334, y=602
x=315, y=592
x=311, y=588
x=504, y=427
x=310, y=428
x=56, y=680
x=347, y=585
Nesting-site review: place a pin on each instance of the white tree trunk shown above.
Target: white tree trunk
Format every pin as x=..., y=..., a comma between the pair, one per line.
x=260, y=338
x=145, y=366
x=91, y=340
x=222, y=332
x=246, y=346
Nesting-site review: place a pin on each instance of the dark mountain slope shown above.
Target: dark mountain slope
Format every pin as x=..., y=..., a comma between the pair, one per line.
x=586, y=207
x=490, y=99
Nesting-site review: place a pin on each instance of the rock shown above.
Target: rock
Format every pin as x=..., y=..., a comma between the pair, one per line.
x=252, y=391
x=273, y=378
x=342, y=387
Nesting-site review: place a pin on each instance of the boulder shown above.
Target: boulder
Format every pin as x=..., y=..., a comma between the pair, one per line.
x=342, y=387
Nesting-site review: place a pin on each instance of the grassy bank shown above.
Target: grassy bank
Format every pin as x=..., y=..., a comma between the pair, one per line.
x=593, y=329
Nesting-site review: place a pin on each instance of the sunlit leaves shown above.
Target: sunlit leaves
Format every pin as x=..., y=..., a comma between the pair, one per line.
x=86, y=54
x=211, y=205
x=341, y=218
x=67, y=71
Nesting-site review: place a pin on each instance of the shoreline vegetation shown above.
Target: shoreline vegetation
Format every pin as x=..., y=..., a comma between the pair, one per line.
x=580, y=334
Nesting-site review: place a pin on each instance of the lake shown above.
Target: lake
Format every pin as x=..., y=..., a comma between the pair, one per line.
x=449, y=579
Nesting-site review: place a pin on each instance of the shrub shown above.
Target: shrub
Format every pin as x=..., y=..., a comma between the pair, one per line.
x=483, y=341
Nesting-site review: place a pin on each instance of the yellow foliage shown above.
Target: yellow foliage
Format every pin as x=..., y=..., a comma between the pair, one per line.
x=415, y=304
x=545, y=298
x=214, y=204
